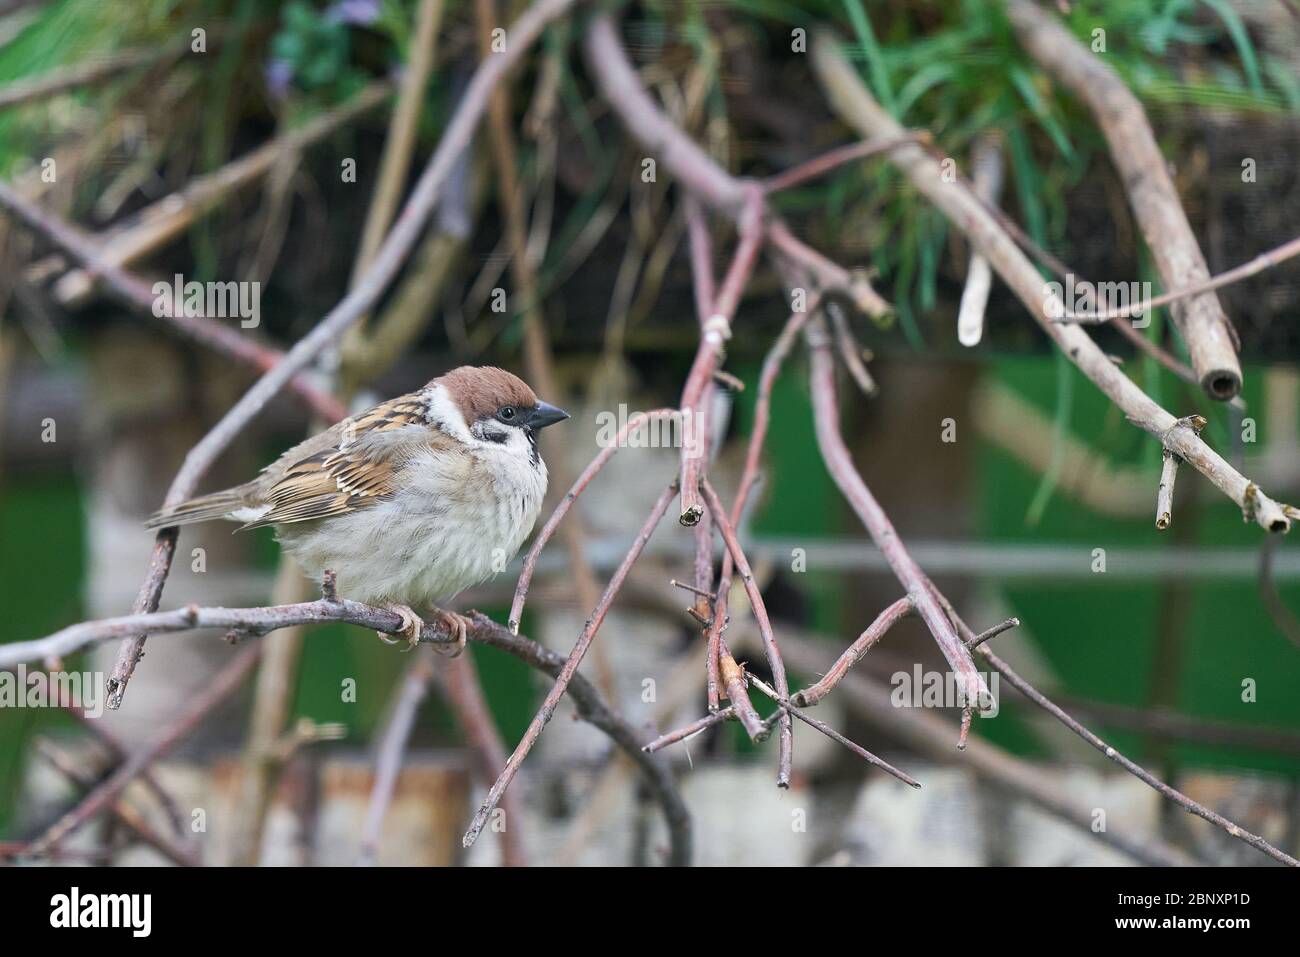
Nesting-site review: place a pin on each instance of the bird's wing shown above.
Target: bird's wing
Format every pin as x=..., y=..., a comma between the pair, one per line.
x=351, y=466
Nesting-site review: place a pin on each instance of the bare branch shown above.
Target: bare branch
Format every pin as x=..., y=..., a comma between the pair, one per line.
x=87, y=73
x=694, y=169
x=637, y=421
x=840, y=464
x=1265, y=260
x=553, y=697
x=686, y=731
x=770, y=648
x=1165, y=491
x=986, y=165
x=138, y=296
x=853, y=654
x=851, y=99
x=841, y=155
x=1204, y=327
x=834, y=735
x=929, y=734
x=256, y=621
x=1173, y=794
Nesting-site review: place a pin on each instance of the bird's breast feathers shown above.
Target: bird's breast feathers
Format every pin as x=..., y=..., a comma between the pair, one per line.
x=457, y=517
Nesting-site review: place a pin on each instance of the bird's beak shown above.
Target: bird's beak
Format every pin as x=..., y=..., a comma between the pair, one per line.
x=546, y=414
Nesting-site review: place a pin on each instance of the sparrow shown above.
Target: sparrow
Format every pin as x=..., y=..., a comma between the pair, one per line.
x=408, y=503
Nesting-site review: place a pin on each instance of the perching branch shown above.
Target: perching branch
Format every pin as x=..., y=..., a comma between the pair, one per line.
x=259, y=621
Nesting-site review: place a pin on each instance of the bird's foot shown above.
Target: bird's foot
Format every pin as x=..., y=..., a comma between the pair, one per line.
x=458, y=626
x=412, y=625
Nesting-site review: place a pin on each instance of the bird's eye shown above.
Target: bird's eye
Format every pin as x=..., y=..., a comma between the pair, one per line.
x=507, y=413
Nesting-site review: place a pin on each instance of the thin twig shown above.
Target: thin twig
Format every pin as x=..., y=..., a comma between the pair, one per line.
x=770, y=648
x=1165, y=491
x=831, y=733
x=634, y=422
x=688, y=730
x=553, y=697
x=839, y=462
x=931, y=735
x=1173, y=794
x=459, y=680
x=993, y=632
x=1266, y=260
x=853, y=654
x=833, y=159
x=392, y=746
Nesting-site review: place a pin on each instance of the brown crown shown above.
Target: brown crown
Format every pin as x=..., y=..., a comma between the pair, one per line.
x=479, y=391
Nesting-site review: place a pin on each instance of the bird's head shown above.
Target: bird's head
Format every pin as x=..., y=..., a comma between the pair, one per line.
x=498, y=407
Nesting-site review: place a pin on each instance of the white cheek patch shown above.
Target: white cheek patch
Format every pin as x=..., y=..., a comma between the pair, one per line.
x=444, y=414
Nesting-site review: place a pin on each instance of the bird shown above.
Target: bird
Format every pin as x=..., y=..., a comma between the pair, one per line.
x=407, y=503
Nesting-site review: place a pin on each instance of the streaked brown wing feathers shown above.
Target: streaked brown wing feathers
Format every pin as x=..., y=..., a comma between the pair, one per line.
x=359, y=468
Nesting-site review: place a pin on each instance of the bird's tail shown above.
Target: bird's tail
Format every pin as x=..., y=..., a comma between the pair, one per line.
x=204, y=508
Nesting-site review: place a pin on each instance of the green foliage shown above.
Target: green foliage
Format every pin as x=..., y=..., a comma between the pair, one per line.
x=313, y=44
x=957, y=69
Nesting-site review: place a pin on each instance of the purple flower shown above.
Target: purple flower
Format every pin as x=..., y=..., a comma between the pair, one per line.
x=355, y=12
x=279, y=74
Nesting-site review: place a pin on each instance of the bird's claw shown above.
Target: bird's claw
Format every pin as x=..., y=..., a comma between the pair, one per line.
x=458, y=626
x=412, y=626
